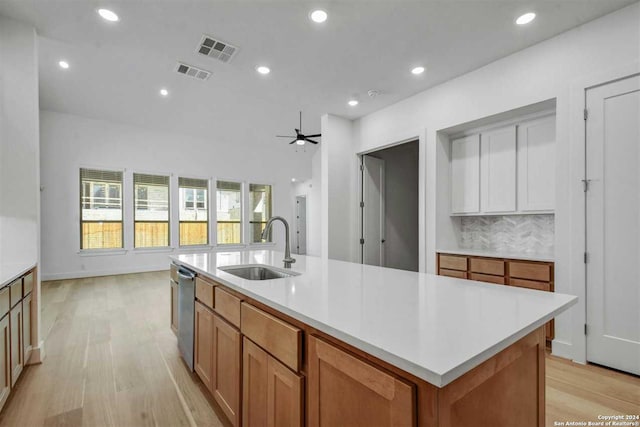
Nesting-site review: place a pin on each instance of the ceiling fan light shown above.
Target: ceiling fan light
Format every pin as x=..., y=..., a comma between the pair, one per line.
x=300, y=141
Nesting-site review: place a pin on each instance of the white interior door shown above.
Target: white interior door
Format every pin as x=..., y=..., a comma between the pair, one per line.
x=373, y=211
x=301, y=225
x=613, y=225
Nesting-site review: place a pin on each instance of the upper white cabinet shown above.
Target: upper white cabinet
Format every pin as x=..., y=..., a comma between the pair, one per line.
x=536, y=165
x=507, y=170
x=465, y=175
x=498, y=170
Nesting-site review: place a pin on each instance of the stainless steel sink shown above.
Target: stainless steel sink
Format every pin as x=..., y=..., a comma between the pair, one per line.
x=258, y=272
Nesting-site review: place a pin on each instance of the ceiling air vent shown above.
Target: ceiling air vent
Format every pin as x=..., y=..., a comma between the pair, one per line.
x=216, y=49
x=191, y=71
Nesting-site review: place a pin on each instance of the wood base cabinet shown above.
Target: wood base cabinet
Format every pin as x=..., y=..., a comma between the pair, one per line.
x=174, y=306
x=17, y=350
x=27, y=309
x=345, y=390
x=5, y=360
x=203, y=344
x=227, y=356
x=272, y=393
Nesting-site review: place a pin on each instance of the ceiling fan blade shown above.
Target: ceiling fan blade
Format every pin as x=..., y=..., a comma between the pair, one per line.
x=293, y=142
x=285, y=136
x=311, y=141
x=313, y=136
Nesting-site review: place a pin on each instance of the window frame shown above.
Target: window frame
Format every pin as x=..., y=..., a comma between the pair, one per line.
x=168, y=246
x=122, y=172
x=248, y=219
x=208, y=204
x=243, y=205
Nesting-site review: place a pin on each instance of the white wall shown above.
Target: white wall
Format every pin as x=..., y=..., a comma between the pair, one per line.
x=545, y=71
x=338, y=167
x=69, y=142
x=19, y=154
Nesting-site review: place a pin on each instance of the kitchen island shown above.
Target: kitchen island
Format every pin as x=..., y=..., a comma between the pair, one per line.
x=352, y=344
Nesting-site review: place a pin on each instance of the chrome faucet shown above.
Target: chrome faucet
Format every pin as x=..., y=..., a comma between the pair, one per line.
x=287, y=251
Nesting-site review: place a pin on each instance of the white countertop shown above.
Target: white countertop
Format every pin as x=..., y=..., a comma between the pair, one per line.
x=13, y=270
x=532, y=256
x=436, y=328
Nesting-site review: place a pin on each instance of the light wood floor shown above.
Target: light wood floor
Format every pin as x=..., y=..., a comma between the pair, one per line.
x=112, y=360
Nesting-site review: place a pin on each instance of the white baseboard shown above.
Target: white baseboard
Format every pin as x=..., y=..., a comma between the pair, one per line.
x=37, y=354
x=97, y=273
x=562, y=349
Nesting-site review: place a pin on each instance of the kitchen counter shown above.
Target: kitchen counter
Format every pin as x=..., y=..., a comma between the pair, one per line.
x=436, y=328
x=11, y=271
x=534, y=256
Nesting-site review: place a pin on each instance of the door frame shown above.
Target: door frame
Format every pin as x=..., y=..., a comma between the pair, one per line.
x=297, y=222
x=421, y=138
x=382, y=211
x=574, y=346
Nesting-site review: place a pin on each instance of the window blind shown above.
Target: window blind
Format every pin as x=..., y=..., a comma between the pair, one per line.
x=100, y=175
x=144, y=179
x=193, y=183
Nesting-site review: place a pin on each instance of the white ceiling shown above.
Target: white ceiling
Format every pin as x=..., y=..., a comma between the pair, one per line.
x=117, y=69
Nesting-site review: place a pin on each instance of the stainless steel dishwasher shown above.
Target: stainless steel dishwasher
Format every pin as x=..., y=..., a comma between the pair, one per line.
x=186, y=306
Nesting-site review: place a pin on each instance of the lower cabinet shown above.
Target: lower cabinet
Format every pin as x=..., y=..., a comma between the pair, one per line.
x=27, y=345
x=272, y=393
x=17, y=350
x=227, y=355
x=5, y=360
x=344, y=390
x=174, y=306
x=203, y=343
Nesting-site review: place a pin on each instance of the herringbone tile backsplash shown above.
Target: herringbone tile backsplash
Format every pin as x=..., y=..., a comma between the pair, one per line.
x=508, y=233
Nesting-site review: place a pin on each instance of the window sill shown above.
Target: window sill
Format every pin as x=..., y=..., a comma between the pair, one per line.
x=195, y=248
x=152, y=250
x=230, y=247
x=101, y=252
x=260, y=245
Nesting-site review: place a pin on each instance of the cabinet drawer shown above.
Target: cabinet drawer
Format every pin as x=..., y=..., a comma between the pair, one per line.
x=531, y=284
x=27, y=286
x=4, y=301
x=487, y=278
x=16, y=291
x=227, y=306
x=453, y=273
x=204, y=292
x=531, y=271
x=453, y=262
x=279, y=338
x=173, y=272
x=487, y=266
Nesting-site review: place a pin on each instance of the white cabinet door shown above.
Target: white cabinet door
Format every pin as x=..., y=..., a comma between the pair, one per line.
x=536, y=165
x=498, y=167
x=465, y=175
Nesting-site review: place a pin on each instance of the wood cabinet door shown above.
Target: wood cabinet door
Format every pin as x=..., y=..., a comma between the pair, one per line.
x=254, y=384
x=344, y=390
x=27, y=309
x=465, y=175
x=284, y=396
x=174, y=306
x=203, y=344
x=5, y=360
x=227, y=355
x=17, y=350
x=498, y=170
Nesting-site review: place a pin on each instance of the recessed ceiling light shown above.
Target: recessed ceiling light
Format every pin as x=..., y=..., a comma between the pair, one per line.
x=353, y=102
x=263, y=69
x=293, y=180
x=164, y=92
x=108, y=15
x=318, y=16
x=63, y=64
x=526, y=18
x=417, y=70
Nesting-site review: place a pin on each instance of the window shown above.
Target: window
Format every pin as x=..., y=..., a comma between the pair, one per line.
x=229, y=212
x=260, y=204
x=194, y=212
x=151, y=211
x=101, y=209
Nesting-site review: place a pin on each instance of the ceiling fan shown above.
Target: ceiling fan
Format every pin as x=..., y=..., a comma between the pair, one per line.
x=301, y=138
